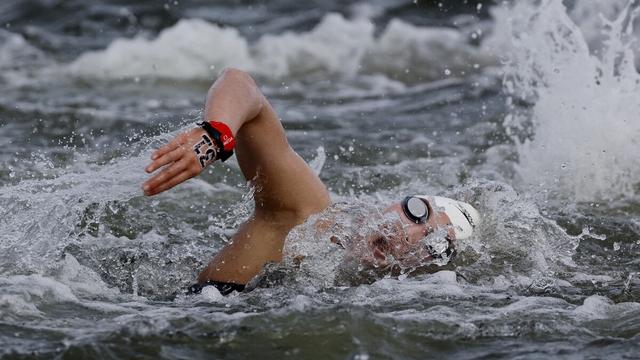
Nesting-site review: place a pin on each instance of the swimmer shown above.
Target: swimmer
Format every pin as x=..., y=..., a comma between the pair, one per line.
x=239, y=118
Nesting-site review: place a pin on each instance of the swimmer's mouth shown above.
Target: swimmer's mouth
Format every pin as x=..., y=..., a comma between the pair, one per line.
x=381, y=246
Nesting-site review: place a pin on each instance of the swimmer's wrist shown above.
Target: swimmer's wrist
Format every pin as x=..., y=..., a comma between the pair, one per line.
x=222, y=136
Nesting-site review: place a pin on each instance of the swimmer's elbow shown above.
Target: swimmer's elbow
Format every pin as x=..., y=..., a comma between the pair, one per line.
x=247, y=86
x=239, y=76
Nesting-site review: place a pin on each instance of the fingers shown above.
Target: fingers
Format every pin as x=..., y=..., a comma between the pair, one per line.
x=166, y=174
x=165, y=159
x=177, y=160
x=183, y=176
x=171, y=145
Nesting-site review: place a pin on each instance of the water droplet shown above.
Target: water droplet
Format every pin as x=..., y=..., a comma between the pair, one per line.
x=113, y=208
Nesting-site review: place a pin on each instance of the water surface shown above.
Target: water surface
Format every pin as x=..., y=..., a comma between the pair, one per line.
x=527, y=112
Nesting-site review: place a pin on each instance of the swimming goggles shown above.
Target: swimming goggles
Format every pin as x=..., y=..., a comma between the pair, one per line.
x=416, y=209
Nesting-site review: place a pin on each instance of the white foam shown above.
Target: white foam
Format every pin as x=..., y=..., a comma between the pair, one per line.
x=21, y=295
x=16, y=305
x=439, y=284
x=300, y=303
x=191, y=49
x=335, y=45
x=15, y=50
x=586, y=132
x=530, y=304
x=81, y=279
x=212, y=294
x=317, y=163
x=43, y=213
x=196, y=49
x=595, y=307
x=589, y=15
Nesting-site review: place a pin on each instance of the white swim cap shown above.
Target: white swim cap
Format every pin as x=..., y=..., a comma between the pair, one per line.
x=463, y=216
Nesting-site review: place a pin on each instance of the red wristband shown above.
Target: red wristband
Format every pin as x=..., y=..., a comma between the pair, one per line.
x=226, y=136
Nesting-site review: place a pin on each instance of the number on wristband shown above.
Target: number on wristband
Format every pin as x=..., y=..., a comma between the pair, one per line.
x=206, y=151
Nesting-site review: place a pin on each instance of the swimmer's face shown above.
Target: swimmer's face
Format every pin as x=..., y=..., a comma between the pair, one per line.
x=402, y=235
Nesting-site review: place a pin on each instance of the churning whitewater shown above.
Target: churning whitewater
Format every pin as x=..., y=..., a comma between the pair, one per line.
x=527, y=110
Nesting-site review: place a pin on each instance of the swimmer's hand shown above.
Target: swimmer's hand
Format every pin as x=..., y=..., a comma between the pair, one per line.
x=180, y=159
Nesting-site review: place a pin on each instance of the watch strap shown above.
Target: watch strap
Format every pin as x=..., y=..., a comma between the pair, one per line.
x=221, y=135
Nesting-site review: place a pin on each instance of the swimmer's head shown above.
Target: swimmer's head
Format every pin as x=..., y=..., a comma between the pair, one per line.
x=419, y=216
x=431, y=212
x=462, y=216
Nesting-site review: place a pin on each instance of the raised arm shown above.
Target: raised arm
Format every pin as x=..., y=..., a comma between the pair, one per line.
x=287, y=190
x=233, y=99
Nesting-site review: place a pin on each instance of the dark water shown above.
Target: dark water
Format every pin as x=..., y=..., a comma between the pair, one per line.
x=387, y=98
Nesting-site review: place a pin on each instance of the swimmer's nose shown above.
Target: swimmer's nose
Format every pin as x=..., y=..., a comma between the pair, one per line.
x=464, y=217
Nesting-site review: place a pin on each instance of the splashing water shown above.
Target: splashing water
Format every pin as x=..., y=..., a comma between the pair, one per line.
x=40, y=215
x=513, y=240
x=585, y=131
x=89, y=266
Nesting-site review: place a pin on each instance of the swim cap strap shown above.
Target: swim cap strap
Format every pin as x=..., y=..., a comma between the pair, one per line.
x=222, y=135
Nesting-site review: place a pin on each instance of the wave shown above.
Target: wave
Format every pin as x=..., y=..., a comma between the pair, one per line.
x=191, y=49
x=579, y=139
x=15, y=51
x=197, y=49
